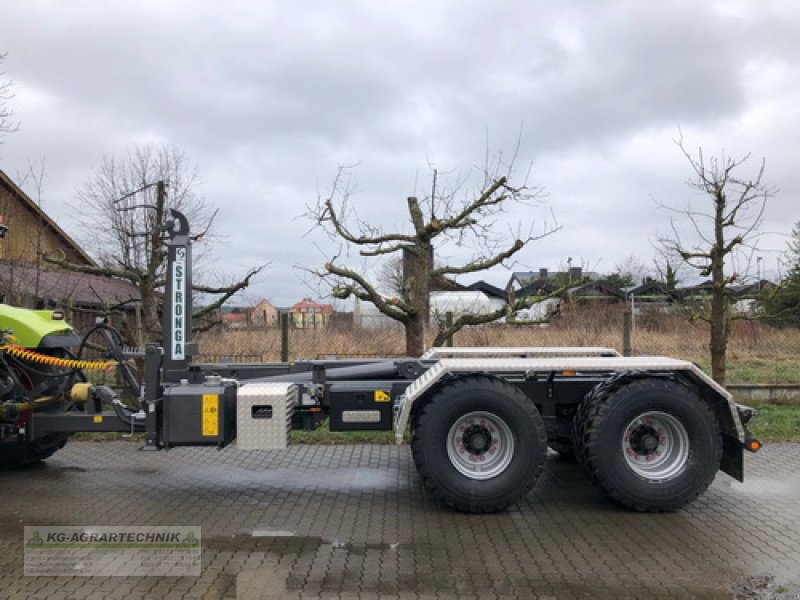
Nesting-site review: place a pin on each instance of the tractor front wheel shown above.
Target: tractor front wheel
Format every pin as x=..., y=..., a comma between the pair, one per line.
x=16, y=454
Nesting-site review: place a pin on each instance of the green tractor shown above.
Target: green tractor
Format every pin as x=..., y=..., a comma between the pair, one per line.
x=42, y=363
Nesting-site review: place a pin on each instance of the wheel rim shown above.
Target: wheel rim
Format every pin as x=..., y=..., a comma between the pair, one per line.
x=480, y=445
x=656, y=446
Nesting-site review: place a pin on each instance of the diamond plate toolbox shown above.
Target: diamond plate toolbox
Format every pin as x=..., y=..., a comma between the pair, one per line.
x=264, y=415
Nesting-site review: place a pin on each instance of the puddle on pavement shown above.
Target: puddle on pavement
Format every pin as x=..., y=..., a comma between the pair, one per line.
x=287, y=542
x=269, y=533
x=360, y=549
x=351, y=547
x=338, y=479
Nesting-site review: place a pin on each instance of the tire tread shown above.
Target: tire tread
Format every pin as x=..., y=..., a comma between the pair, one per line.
x=455, y=387
x=591, y=416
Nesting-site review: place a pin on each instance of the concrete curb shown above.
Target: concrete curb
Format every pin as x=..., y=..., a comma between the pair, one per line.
x=752, y=394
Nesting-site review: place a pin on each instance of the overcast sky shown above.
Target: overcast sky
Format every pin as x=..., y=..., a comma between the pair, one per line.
x=268, y=99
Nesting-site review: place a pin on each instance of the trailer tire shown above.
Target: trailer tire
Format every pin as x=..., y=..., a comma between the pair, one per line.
x=479, y=444
x=651, y=444
x=18, y=455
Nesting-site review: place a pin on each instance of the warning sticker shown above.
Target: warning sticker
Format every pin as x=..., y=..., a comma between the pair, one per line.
x=210, y=415
x=381, y=396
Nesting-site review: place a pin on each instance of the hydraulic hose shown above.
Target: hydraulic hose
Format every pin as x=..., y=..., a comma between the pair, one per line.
x=25, y=359
x=12, y=410
x=114, y=341
x=53, y=361
x=109, y=396
x=119, y=407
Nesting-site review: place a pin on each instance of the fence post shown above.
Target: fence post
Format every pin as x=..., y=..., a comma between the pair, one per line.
x=626, y=331
x=284, y=321
x=448, y=321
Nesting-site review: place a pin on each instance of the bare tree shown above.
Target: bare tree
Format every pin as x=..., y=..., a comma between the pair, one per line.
x=630, y=272
x=124, y=207
x=724, y=234
x=669, y=267
x=446, y=216
x=6, y=124
x=390, y=278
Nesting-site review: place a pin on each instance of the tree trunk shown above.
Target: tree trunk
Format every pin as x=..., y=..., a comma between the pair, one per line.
x=415, y=336
x=150, y=321
x=419, y=284
x=720, y=311
x=719, y=335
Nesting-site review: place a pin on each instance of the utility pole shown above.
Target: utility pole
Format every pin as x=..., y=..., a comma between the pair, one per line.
x=758, y=271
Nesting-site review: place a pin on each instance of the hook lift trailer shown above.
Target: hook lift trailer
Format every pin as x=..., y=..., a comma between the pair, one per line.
x=652, y=432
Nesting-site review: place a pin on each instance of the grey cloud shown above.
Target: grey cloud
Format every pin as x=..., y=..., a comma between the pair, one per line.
x=270, y=98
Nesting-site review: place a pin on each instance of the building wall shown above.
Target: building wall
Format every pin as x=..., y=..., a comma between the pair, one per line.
x=541, y=311
x=30, y=233
x=463, y=302
x=265, y=314
x=310, y=319
x=366, y=315
x=308, y=314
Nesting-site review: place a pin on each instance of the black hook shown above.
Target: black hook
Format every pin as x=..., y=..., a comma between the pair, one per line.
x=179, y=219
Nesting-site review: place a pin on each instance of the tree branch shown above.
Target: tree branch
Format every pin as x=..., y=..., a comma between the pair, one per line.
x=485, y=199
x=385, y=250
x=127, y=274
x=329, y=215
x=397, y=309
x=226, y=292
x=480, y=265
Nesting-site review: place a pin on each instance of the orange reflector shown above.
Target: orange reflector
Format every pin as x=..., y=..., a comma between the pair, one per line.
x=568, y=372
x=314, y=409
x=754, y=446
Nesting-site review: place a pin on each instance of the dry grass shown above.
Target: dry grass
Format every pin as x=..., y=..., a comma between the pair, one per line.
x=757, y=352
x=303, y=344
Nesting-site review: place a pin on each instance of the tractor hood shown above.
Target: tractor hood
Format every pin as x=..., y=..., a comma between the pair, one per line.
x=37, y=328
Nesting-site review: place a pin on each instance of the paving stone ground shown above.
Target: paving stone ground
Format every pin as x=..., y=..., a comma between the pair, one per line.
x=354, y=522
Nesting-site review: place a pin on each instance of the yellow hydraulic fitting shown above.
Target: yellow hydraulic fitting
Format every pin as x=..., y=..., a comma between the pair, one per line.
x=80, y=392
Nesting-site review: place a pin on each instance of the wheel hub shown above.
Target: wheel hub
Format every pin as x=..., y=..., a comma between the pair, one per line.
x=480, y=445
x=655, y=445
x=644, y=440
x=477, y=440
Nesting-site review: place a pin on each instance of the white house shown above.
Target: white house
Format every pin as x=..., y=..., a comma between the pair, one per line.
x=367, y=316
x=541, y=311
x=465, y=301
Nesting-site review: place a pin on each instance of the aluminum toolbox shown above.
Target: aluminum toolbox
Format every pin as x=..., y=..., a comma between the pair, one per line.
x=264, y=415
